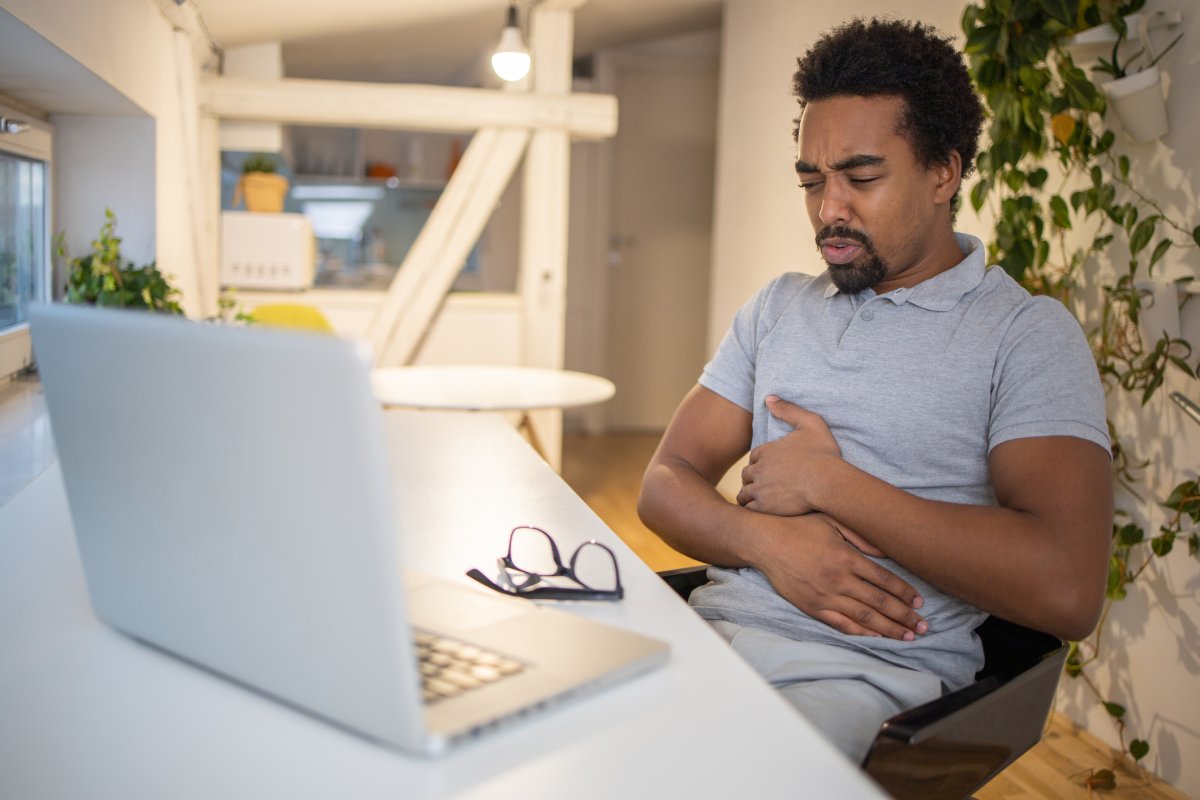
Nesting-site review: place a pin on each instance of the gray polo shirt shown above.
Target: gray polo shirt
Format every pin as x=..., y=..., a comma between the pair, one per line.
x=917, y=386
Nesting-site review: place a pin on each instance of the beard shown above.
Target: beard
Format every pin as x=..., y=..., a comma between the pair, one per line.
x=862, y=273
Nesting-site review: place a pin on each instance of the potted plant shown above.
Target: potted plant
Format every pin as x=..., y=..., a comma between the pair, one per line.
x=101, y=278
x=262, y=188
x=1135, y=92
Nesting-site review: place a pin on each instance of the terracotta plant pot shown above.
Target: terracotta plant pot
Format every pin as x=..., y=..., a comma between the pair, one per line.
x=263, y=191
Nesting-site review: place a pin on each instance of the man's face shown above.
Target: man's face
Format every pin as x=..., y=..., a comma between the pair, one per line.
x=878, y=213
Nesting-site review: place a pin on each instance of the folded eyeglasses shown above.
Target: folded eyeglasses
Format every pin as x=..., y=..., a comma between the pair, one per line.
x=533, y=569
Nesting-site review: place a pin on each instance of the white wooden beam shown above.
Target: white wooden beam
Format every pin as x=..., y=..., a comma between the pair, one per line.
x=407, y=106
x=543, y=272
x=435, y=258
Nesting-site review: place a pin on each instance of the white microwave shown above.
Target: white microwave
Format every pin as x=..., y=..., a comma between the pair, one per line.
x=267, y=251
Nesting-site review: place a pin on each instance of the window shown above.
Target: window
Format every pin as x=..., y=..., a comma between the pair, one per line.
x=24, y=232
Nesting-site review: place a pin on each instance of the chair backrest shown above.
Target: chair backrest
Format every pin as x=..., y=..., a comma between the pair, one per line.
x=949, y=747
x=291, y=315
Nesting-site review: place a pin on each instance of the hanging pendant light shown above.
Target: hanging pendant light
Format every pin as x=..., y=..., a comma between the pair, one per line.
x=511, y=59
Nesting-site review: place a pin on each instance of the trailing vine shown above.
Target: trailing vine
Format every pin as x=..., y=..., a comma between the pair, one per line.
x=1044, y=108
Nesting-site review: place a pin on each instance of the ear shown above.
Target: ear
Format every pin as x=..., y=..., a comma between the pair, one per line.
x=947, y=177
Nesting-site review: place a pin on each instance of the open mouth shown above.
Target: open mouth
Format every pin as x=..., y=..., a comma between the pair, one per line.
x=840, y=251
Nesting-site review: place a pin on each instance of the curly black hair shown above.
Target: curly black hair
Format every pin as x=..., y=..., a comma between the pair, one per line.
x=910, y=60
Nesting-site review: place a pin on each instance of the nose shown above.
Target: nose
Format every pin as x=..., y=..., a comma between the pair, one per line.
x=834, y=208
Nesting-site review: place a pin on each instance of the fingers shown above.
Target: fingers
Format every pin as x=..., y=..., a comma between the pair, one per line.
x=872, y=618
x=862, y=598
x=885, y=603
x=788, y=412
x=859, y=543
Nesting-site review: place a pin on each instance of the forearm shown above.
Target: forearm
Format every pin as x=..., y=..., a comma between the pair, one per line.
x=686, y=511
x=1029, y=567
x=804, y=558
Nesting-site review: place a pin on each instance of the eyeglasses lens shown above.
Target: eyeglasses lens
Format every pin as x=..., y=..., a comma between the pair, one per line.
x=532, y=551
x=595, y=567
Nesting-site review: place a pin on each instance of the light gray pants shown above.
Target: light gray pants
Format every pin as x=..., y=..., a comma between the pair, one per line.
x=844, y=693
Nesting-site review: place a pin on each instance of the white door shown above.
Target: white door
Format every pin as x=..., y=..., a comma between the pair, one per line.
x=660, y=250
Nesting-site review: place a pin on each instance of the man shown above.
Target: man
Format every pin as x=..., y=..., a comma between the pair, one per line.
x=927, y=442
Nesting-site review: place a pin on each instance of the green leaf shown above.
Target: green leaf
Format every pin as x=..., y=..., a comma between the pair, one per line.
x=970, y=17
x=1123, y=166
x=1037, y=178
x=1196, y=234
x=1102, y=779
x=1061, y=10
x=1128, y=535
x=1160, y=250
x=982, y=40
x=1035, y=80
x=990, y=73
x=1179, y=495
x=979, y=193
x=1194, y=545
x=1131, y=217
x=1183, y=366
x=1161, y=545
x=1141, y=235
x=1115, y=710
x=1014, y=179
x=1062, y=217
x=1116, y=578
x=1138, y=748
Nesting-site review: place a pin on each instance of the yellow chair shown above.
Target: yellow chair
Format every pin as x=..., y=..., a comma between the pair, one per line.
x=289, y=315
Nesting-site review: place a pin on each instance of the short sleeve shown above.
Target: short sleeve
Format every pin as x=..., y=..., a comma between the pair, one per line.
x=731, y=371
x=1046, y=382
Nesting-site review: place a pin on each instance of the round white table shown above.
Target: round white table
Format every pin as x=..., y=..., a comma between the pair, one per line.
x=489, y=388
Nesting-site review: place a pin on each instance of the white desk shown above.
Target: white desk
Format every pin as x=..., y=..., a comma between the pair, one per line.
x=87, y=712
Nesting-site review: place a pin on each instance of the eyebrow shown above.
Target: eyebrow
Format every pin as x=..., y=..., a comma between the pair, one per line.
x=852, y=162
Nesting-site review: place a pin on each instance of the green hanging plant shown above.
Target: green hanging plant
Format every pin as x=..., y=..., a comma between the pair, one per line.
x=1045, y=108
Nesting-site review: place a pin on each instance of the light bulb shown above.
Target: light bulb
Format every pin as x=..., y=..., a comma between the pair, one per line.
x=511, y=60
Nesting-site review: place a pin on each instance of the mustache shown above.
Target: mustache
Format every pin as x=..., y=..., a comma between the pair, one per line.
x=842, y=232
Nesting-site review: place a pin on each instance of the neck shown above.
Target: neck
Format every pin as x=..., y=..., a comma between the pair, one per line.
x=941, y=254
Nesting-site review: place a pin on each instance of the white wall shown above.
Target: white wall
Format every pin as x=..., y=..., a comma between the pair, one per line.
x=105, y=162
x=1152, y=659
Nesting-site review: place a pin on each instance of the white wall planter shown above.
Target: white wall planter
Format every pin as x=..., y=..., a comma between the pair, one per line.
x=1139, y=104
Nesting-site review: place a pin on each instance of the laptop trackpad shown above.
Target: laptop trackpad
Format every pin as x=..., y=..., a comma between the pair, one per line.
x=453, y=608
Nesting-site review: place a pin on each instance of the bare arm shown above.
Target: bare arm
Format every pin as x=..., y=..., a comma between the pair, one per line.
x=805, y=558
x=1040, y=558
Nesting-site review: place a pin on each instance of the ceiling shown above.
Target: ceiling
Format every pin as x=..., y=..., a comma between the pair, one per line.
x=425, y=41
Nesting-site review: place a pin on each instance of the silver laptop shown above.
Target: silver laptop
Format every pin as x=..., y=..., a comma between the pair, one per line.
x=232, y=502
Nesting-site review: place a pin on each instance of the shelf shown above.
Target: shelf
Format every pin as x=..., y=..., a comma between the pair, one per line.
x=1107, y=34
x=423, y=184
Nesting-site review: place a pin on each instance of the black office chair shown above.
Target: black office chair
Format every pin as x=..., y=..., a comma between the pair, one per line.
x=951, y=746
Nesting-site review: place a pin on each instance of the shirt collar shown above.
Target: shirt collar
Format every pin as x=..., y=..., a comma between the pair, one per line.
x=943, y=291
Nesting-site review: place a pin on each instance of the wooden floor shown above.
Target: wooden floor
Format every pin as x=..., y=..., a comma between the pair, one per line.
x=606, y=472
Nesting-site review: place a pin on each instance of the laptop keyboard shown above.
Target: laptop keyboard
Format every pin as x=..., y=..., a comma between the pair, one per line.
x=450, y=667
